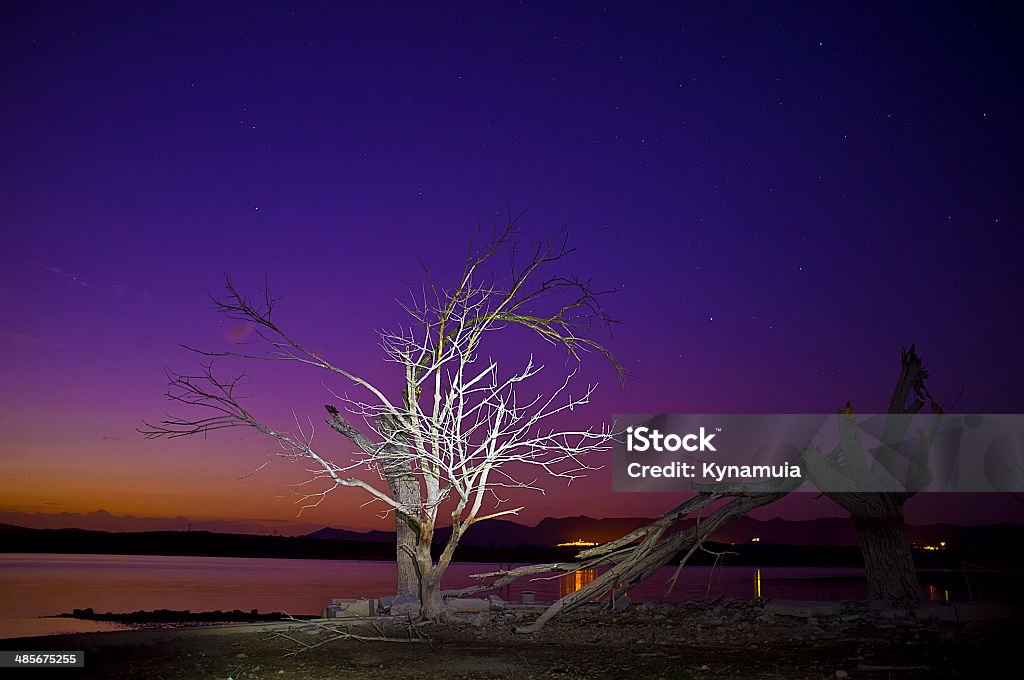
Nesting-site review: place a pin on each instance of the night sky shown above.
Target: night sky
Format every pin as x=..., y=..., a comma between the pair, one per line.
x=782, y=196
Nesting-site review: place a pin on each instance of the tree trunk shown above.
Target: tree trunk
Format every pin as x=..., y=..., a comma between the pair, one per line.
x=888, y=562
x=432, y=605
x=406, y=490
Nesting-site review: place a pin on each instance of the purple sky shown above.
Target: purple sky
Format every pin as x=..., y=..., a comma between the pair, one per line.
x=782, y=194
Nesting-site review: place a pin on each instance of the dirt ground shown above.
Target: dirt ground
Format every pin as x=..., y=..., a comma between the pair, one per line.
x=731, y=640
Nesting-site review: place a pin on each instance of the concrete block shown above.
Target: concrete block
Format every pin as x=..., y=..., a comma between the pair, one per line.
x=354, y=607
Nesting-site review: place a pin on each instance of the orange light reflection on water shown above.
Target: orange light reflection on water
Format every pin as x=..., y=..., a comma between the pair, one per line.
x=570, y=583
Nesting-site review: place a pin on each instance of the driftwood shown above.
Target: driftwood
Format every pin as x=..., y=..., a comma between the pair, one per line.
x=612, y=552
x=328, y=632
x=653, y=551
x=633, y=557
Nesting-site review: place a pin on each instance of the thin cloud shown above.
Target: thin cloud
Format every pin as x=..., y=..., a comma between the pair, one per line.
x=73, y=279
x=239, y=333
x=18, y=338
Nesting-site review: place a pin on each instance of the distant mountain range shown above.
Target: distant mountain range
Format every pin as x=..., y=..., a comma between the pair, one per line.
x=102, y=520
x=826, y=531
x=819, y=542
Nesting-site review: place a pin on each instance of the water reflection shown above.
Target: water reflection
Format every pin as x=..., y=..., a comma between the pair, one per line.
x=41, y=585
x=570, y=583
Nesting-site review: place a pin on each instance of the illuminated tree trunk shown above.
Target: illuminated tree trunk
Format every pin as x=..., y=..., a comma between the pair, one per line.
x=405, y=489
x=432, y=606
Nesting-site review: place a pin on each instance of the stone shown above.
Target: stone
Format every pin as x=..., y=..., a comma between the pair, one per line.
x=894, y=613
x=986, y=611
x=946, y=613
x=621, y=602
x=467, y=605
x=801, y=608
x=405, y=609
x=841, y=675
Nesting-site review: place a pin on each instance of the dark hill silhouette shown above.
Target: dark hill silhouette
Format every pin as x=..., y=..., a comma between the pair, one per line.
x=824, y=531
x=551, y=531
x=373, y=536
x=819, y=542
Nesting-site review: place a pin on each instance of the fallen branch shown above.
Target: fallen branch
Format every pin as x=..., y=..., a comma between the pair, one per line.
x=336, y=632
x=653, y=552
x=506, y=576
x=612, y=552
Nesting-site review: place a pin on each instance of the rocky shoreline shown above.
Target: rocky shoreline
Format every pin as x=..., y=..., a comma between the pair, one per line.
x=144, y=618
x=696, y=641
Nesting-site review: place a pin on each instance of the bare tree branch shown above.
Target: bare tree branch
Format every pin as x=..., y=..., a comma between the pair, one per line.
x=461, y=429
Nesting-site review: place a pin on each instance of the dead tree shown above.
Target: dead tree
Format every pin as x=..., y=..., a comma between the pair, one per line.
x=471, y=433
x=457, y=431
x=874, y=494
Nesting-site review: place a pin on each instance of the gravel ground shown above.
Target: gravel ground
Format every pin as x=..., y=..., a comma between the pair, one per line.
x=698, y=641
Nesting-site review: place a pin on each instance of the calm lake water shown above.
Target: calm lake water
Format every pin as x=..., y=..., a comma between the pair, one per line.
x=37, y=585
